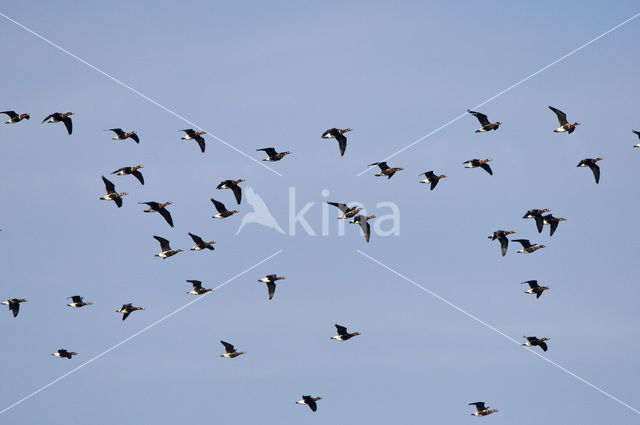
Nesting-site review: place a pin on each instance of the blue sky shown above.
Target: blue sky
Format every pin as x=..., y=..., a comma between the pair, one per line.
x=279, y=74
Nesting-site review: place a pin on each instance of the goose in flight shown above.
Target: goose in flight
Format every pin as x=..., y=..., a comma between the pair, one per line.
x=343, y=335
x=112, y=195
x=201, y=244
x=159, y=208
x=501, y=236
x=76, y=302
x=58, y=117
x=270, y=280
x=552, y=222
x=534, y=288
x=124, y=171
x=335, y=133
x=591, y=163
x=537, y=215
x=309, y=401
x=230, y=351
x=273, y=155
x=166, y=249
x=233, y=185
x=430, y=177
x=191, y=134
x=527, y=247
x=15, y=118
x=121, y=135
x=347, y=212
x=484, y=121
x=222, y=210
x=481, y=410
x=385, y=170
x=532, y=341
x=14, y=305
x=482, y=163
x=364, y=224
x=564, y=124
x=127, y=309
x=64, y=354
x=197, y=288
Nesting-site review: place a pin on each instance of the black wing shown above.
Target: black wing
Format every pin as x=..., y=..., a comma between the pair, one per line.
x=15, y=308
x=12, y=114
x=562, y=117
x=364, y=224
x=166, y=215
x=481, y=117
x=189, y=131
x=342, y=207
x=434, y=183
x=269, y=151
x=596, y=171
x=108, y=185
x=539, y=222
x=118, y=131
x=636, y=133
x=524, y=242
x=342, y=142
x=67, y=123
x=135, y=138
x=228, y=347
x=533, y=284
x=50, y=116
x=76, y=299
x=271, y=286
x=125, y=315
x=137, y=174
x=312, y=405
x=196, y=239
x=164, y=244
x=224, y=183
x=200, y=141
x=543, y=345
x=486, y=168
x=120, y=169
x=219, y=206
x=553, y=225
x=341, y=330
x=151, y=204
x=118, y=202
x=479, y=405
x=196, y=284
x=237, y=191
x=504, y=244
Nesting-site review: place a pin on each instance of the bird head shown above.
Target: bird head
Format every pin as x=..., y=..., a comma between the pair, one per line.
x=344, y=131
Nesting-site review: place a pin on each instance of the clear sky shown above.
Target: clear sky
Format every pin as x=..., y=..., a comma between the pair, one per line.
x=259, y=74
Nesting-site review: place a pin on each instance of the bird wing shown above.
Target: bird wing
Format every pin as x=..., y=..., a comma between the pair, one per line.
x=108, y=185
x=543, y=345
x=636, y=133
x=118, y=202
x=76, y=299
x=504, y=244
x=481, y=117
x=312, y=404
x=341, y=330
x=219, y=206
x=268, y=151
x=237, y=191
x=479, y=405
x=383, y=165
x=524, y=242
x=12, y=114
x=164, y=244
x=15, y=308
x=197, y=239
x=67, y=123
x=271, y=286
x=342, y=142
x=533, y=284
x=189, y=131
x=135, y=138
x=539, y=223
x=200, y=141
x=228, y=347
x=596, y=171
x=486, y=168
x=49, y=116
x=119, y=169
x=364, y=224
x=342, y=207
x=553, y=224
x=137, y=174
x=125, y=315
x=562, y=117
x=196, y=284
x=434, y=183
x=430, y=175
x=166, y=215
x=224, y=183
x=118, y=131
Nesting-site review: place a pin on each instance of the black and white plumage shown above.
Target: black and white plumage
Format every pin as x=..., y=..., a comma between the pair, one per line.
x=64, y=354
x=591, y=163
x=481, y=409
x=338, y=134
x=166, y=250
x=533, y=341
x=534, y=288
x=564, y=124
x=537, y=215
x=59, y=117
x=112, y=195
x=482, y=163
x=309, y=401
x=347, y=212
x=122, y=135
x=15, y=118
x=14, y=305
x=230, y=351
x=223, y=212
x=159, y=208
x=484, y=121
x=127, y=309
x=191, y=134
x=385, y=170
x=200, y=244
x=501, y=236
x=271, y=280
x=552, y=222
x=637, y=133
x=76, y=302
x=363, y=221
x=233, y=185
x=197, y=288
x=273, y=155
x=430, y=177
x=343, y=335
x=527, y=247
x=124, y=171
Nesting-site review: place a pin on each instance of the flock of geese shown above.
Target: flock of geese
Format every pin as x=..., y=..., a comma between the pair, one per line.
x=430, y=177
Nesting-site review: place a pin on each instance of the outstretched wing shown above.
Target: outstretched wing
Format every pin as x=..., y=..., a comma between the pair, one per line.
x=486, y=168
x=219, y=206
x=341, y=330
x=342, y=142
x=237, y=192
x=196, y=284
x=524, y=242
x=164, y=244
x=271, y=286
x=504, y=244
x=596, y=171
x=481, y=117
x=562, y=117
x=268, y=151
x=135, y=138
x=364, y=224
x=108, y=185
x=200, y=141
x=137, y=174
x=342, y=207
x=67, y=123
x=12, y=114
x=228, y=347
x=197, y=239
x=539, y=223
x=49, y=116
x=166, y=215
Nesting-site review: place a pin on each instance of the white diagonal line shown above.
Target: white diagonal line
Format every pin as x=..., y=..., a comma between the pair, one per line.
x=164, y=108
x=506, y=90
x=449, y=303
x=136, y=334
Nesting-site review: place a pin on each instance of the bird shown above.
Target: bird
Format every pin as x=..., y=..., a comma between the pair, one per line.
x=309, y=401
x=15, y=118
x=482, y=163
x=131, y=170
x=58, y=117
x=121, y=135
x=501, y=235
x=343, y=335
x=195, y=135
x=159, y=208
x=335, y=133
x=532, y=341
x=272, y=155
x=127, y=309
x=200, y=244
x=233, y=185
x=14, y=304
x=347, y=212
x=481, y=410
x=76, y=302
x=270, y=280
x=637, y=133
x=430, y=177
x=197, y=288
x=385, y=170
x=166, y=249
x=363, y=222
x=535, y=288
x=527, y=247
x=564, y=124
x=230, y=351
x=552, y=222
x=484, y=121
x=62, y=353
x=222, y=210
x=591, y=163
x=112, y=195
x=537, y=215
